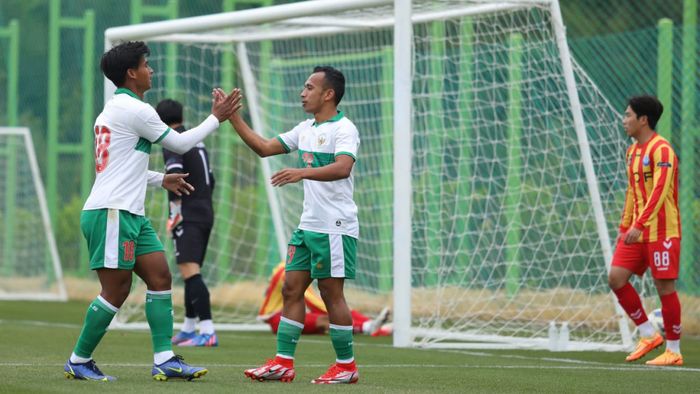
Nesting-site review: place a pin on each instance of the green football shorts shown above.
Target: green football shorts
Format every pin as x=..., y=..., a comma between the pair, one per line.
x=116, y=237
x=324, y=255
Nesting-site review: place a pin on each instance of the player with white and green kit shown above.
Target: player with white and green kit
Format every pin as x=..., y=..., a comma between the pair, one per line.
x=324, y=247
x=120, y=238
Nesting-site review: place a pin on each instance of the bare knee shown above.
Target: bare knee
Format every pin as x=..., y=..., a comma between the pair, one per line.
x=615, y=282
x=331, y=292
x=153, y=269
x=292, y=292
x=618, y=277
x=161, y=282
x=116, y=292
x=665, y=286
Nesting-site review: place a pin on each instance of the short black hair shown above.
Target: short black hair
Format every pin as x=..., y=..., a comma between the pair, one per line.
x=649, y=106
x=122, y=57
x=334, y=79
x=170, y=111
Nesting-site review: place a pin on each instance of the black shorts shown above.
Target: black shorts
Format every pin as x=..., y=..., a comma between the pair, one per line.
x=191, y=239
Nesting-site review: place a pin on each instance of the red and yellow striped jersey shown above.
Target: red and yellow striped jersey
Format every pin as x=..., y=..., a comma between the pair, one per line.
x=651, y=200
x=273, y=296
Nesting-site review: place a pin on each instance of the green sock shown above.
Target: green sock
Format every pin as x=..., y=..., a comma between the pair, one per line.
x=159, y=313
x=288, y=334
x=99, y=314
x=341, y=337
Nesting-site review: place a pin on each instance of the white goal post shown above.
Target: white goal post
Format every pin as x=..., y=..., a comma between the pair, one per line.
x=31, y=267
x=489, y=174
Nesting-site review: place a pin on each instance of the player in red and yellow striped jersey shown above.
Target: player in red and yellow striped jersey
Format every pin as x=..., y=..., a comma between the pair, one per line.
x=650, y=231
x=316, y=318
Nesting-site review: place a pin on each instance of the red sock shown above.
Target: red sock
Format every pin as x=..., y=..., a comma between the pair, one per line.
x=671, y=311
x=630, y=302
x=285, y=362
x=347, y=366
x=358, y=319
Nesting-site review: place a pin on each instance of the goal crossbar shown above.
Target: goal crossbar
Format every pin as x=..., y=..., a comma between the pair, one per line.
x=323, y=27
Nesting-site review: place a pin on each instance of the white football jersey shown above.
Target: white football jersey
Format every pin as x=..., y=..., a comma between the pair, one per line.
x=124, y=132
x=328, y=206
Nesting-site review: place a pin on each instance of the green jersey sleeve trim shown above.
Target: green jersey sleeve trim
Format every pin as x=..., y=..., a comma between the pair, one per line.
x=346, y=153
x=162, y=136
x=286, y=148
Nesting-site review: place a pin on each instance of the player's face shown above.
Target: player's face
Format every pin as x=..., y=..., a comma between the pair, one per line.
x=144, y=72
x=631, y=122
x=312, y=96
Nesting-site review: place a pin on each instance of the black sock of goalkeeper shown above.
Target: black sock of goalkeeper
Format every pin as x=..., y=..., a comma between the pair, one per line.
x=189, y=309
x=199, y=297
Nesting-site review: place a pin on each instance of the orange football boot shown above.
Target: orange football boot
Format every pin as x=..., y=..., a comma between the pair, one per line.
x=644, y=346
x=667, y=358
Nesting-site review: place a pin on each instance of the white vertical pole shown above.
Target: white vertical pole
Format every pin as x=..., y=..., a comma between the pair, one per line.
x=109, y=87
x=44, y=209
x=586, y=158
x=403, y=79
x=251, y=92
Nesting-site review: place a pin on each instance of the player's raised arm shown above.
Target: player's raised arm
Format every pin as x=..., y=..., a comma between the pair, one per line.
x=222, y=108
x=262, y=146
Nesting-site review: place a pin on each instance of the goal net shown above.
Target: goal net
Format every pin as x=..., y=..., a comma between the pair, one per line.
x=516, y=179
x=29, y=264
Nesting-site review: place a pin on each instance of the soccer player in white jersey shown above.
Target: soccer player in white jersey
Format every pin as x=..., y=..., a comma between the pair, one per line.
x=120, y=238
x=324, y=245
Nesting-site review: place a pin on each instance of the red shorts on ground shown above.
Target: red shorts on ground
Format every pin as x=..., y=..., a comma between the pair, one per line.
x=663, y=257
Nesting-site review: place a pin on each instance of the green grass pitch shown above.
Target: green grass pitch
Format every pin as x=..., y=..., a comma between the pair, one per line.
x=37, y=338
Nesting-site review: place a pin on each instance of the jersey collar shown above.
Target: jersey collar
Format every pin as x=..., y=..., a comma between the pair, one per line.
x=333, y=119
x=127, y=91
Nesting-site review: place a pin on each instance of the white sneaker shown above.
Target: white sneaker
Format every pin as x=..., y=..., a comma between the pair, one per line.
x=378, y=321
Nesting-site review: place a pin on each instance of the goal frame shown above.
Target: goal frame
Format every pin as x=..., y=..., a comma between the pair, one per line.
x=62, y=295
x=185, y=31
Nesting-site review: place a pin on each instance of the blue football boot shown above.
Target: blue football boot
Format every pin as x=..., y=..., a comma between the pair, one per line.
x=205, y=340
x=177, y=368
x=85, y=371
x=183, y=336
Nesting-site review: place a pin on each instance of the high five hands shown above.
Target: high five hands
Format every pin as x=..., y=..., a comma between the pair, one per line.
x=224, y=106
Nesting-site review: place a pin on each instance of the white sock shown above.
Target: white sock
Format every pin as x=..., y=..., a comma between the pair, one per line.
x=674, y=346
x=646, y=329
x=366, y=327
x=161, y=357
x=206, y=327
x=188, y=325
x=75, y=359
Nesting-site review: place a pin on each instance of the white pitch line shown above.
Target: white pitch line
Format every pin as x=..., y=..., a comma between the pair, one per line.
x=394, y=366
x=590, y=365
x=40, y=323
x=603, y=365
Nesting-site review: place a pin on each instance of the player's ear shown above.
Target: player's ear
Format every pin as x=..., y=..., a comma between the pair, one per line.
x=130, y=73
x=329, y=95
x=644, y=119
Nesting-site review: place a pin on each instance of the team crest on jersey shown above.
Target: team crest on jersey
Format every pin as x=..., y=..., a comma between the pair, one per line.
x=321, y=139
x=645, y=160
x=308, y=159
